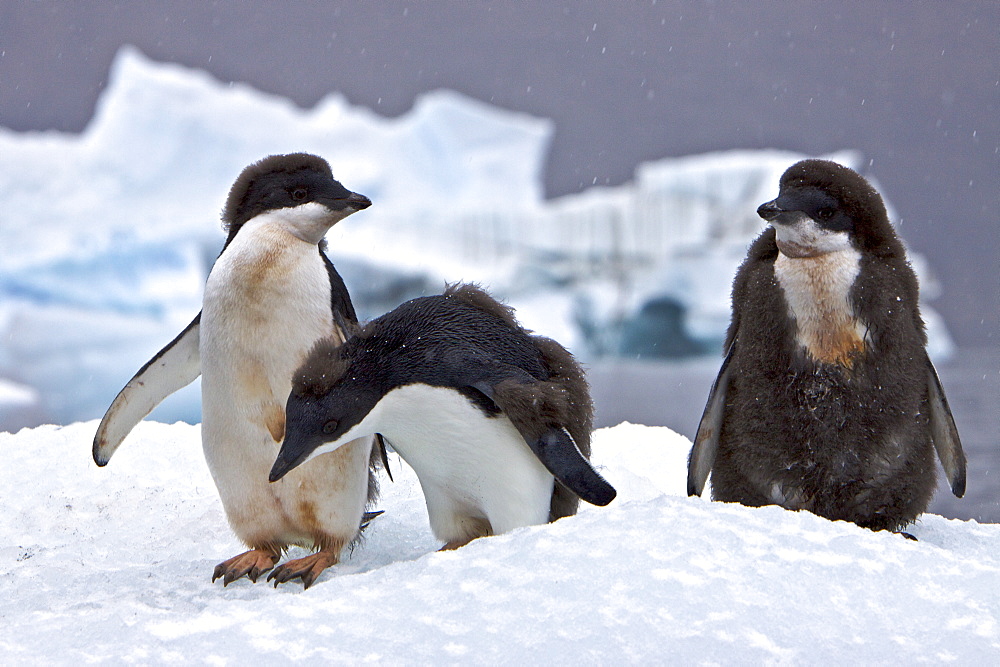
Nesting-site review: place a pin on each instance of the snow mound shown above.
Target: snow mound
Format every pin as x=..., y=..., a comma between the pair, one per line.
x=113, y=565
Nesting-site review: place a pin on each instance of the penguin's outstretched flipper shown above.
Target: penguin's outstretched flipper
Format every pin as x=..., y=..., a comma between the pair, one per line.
x=534, y=408
x=945, y=434
x=706, y=440
x=174, y=367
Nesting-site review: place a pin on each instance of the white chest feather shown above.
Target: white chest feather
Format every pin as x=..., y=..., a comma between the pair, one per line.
x=468, y=464
x=817, y=291
x=267, y=300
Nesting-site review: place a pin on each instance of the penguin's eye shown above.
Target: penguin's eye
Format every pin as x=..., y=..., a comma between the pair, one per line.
x=300, y=194
x=825, y=213
x=330, y=426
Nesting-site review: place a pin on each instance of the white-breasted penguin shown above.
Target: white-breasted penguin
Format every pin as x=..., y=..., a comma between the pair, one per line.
x=271, y=294
x=827, y=400
x=494, y=421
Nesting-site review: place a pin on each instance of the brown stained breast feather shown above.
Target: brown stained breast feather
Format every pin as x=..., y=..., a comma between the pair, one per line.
x=274, y=420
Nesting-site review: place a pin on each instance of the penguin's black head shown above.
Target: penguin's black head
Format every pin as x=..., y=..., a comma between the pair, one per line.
x=326, y=407
x=823, y=206
x=298, y=181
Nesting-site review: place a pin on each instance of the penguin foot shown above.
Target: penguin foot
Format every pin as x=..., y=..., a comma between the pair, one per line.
x=456, y=544
x=305, y=569
x=251, y=564
x=367, y=517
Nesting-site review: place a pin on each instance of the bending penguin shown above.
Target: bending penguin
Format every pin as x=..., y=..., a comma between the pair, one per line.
x=826, y=400
x=270, y=296
x=495, y=422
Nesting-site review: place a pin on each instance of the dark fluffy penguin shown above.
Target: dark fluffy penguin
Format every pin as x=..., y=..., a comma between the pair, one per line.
x=270, y=296
x=826, y=400
x=494, y=421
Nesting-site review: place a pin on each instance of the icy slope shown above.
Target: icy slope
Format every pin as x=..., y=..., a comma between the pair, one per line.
x=113, y=565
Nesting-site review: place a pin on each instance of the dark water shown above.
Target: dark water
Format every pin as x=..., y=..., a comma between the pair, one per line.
x=674, y=394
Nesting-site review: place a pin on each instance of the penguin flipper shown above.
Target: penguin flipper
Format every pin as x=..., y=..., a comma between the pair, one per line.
x=560, y=455
x=554, y=447
x=706, y=440
x=175, y=366
x=380, y=441
x=944, y=433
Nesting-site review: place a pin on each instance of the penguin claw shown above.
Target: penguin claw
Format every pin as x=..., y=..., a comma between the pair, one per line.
x=306, y=570
x=250, y=564
x=254, y=574
x=367, y=517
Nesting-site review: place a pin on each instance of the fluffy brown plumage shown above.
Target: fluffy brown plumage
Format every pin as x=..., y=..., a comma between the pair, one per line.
x=841, y=423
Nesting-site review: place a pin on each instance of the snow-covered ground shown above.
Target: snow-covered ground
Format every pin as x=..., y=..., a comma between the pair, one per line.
x=107, y=236
x=113, y=565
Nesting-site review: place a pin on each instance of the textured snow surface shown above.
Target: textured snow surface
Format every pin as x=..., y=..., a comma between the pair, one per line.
x=113, y=565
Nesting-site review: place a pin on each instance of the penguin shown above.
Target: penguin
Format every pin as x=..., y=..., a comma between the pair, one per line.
x=494, y=421
x=271, y=294
x=826, y=400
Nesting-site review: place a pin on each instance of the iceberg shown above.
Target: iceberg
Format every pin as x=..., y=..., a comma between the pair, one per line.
x=108, y=235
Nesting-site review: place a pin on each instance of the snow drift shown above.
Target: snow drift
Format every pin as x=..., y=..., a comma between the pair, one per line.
x=113, y=565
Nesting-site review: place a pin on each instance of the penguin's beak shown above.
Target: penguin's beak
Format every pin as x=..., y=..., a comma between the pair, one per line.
x=345, y=206
x=358, y=202
x=770, y=210
x=285, y=463
x=279, y=470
